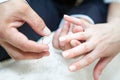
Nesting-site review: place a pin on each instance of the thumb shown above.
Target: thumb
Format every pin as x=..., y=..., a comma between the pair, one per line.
x=100, y=66
x=37, y=24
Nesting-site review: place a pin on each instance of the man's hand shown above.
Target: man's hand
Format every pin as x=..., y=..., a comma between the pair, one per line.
x=14, y=14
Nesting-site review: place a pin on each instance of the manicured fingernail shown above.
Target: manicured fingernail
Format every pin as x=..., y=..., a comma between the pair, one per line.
x=65, y=54
x=46, y=31
x=72, y=68
x=62, y=39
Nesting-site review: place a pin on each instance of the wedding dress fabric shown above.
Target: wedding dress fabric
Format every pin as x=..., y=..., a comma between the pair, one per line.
x=54, y=67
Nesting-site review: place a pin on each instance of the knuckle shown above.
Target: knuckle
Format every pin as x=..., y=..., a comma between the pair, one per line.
x=85, y=48
x=84, y=63
x=24, y=8
x=38, y=22
x=73, y=55
x=41, y=22
x=89, y=60
x=25, y=48
x=81, y=35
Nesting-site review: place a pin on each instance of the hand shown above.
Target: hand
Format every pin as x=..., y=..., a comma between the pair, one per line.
x=102, y=41
x=14, y=14
x=66, y=29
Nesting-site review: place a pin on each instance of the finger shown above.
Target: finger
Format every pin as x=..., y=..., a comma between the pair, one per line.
x=74, y=43
x=67, y=46
x=20, y=55
x=100, y=66
x=76, y=36
x=78, y=50
x=55, y=40
x=76, y=21
x=85, y=61
x=71, y=28
x=77, y=29
x=68, y=30
x=64, y=31
x=29, y=56
x=21, y=41
x=37, y=24
x=17, y=24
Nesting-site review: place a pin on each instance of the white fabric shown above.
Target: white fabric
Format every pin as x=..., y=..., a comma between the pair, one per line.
x=53, y=67
x=109, y=1
x=1, y=1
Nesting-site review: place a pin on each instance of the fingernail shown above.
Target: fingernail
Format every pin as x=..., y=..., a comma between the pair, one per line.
x=72, y=68
x=65, y=54
x=62, y=39
x=46, y=31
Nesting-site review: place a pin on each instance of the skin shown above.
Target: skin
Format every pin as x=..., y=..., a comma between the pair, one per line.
x=13, y=14
x=67, y=29
x=101, y=41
